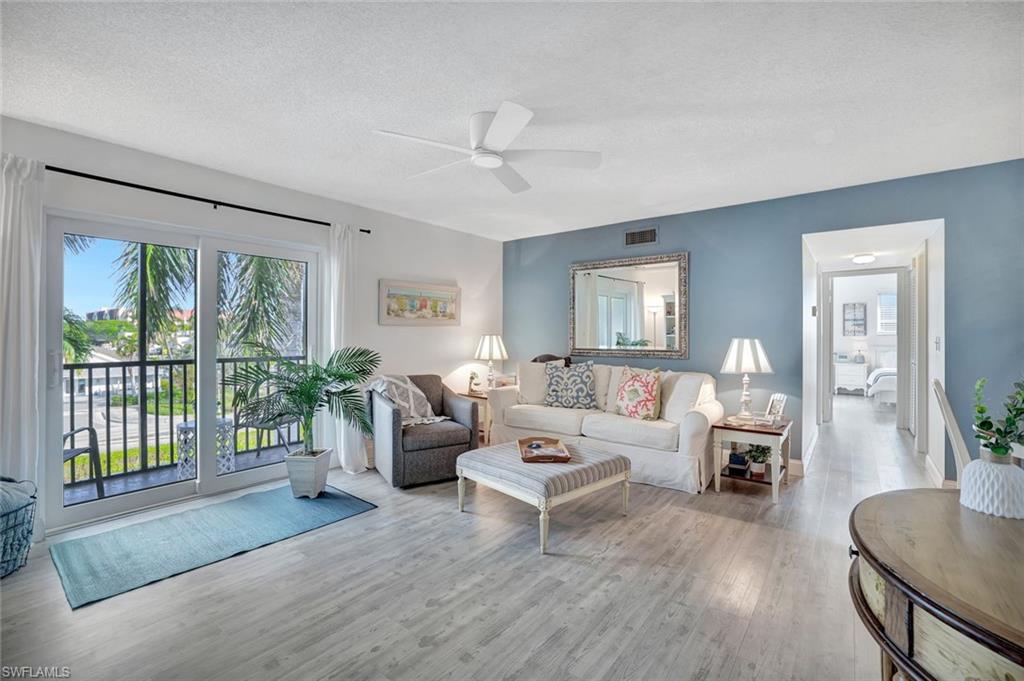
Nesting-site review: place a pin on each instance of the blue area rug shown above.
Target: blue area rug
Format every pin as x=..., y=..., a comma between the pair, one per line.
x=106, y=564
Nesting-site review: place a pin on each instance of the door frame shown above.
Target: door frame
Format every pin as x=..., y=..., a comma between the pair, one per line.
x=826, y=341
x=57, y=517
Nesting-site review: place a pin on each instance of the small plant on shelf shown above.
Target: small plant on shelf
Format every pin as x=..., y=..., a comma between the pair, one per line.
x=999, y=435
x=758, y=455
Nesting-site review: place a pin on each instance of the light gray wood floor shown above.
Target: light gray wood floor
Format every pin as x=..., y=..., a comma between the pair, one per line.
x=715, y=586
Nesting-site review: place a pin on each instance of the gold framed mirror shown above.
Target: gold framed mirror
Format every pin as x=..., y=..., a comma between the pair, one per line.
x=630, y=307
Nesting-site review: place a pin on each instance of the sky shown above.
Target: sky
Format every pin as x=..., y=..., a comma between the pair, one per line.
x=90, y=277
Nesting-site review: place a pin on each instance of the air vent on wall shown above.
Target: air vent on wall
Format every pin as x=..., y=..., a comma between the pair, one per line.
x=640, y=237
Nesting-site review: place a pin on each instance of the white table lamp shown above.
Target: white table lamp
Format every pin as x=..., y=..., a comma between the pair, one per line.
x=746, y=356
x=490, y=348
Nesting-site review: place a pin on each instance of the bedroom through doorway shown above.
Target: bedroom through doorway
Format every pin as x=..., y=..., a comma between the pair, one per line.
x=874, y=339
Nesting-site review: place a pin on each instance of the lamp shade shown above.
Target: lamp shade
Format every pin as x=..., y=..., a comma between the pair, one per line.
x=490, y=348
x=746, y=356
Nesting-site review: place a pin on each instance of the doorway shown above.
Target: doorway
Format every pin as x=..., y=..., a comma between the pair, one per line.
x=874, y=298
x=866, y=344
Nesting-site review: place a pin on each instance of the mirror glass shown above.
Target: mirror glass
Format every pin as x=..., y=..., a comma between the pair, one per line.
x=634, y=306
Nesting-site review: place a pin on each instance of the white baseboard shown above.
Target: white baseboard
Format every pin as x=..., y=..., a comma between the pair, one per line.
x=798, y=466
x=934, y=474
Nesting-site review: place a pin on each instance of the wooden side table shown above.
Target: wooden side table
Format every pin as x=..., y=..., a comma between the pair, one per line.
x=485, y=415
x=939, y=586
x=776, y=437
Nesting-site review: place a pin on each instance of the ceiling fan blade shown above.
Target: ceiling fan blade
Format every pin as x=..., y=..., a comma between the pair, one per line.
x=512, y=180
x=434, y=170
x=560, y=158
x=421, y=140
x=506, y=126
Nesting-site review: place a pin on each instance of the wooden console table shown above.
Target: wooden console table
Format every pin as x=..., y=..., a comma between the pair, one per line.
x=939, y=587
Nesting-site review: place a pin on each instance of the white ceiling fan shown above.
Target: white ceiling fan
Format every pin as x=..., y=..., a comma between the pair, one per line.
x=490, y=134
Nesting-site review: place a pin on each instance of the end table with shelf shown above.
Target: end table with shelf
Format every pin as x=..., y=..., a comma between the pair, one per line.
x=776, y=437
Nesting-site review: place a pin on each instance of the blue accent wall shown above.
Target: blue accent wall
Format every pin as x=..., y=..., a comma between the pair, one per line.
x=745, y=277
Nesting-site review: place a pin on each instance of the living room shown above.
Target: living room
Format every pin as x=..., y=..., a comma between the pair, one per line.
x=473, y=341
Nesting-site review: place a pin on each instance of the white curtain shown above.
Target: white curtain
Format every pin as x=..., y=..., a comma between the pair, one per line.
x=21, y=263
x=338, y=306
x=639, y=312
x=586, y=310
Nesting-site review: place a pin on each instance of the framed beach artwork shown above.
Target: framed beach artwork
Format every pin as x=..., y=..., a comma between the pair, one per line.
x=408, y=303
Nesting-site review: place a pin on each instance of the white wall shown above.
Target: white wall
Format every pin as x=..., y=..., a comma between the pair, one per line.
x=809, y=381
x=397, y=248
x=861, y=289
x=935, y=248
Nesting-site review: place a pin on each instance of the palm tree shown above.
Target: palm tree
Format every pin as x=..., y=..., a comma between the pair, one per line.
x=299, y=391
x=77, y=344
x=258, y=297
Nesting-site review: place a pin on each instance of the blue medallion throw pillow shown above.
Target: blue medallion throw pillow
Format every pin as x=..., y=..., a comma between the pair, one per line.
x=571, y=387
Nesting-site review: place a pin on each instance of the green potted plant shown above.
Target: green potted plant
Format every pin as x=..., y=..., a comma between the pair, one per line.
x=296, y=391
x=991, y=484
x=758, y=455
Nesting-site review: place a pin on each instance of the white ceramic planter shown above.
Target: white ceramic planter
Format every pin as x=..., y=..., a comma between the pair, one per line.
x=757, y=470
x=992, y=484
x=308, y=474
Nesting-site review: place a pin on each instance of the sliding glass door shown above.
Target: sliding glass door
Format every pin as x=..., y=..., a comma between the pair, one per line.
x=144, y=330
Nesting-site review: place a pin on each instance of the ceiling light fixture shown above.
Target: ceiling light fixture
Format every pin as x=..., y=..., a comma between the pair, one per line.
x=863, y=258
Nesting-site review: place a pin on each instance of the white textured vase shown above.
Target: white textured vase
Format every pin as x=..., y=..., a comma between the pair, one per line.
x=308, y=474
x=992, y=484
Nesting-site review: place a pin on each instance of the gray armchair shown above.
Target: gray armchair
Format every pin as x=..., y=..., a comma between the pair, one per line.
x=423, y=453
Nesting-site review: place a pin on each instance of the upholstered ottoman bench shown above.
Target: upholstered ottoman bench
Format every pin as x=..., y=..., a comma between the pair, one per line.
x=544, y=485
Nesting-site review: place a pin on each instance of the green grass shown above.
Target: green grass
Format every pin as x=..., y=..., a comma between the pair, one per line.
x=117, y=459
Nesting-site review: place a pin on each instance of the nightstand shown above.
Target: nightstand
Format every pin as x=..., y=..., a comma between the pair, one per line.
x=485, y=414
x=851, y=376
x=776, y=437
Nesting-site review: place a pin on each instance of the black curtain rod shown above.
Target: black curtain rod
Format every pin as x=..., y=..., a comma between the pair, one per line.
x=191, y=197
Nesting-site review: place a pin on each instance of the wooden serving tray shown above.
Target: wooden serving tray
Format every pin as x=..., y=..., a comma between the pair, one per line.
x=551, y=450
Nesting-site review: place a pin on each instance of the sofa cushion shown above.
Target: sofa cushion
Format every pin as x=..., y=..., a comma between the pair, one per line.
x=432, y=388
x=612, y=395
x=681, y=391
x=434, y=435
x=640, y=394
x=602, y=374
x=571, y=387
x=533, y=381
x=547, y=419
x=658, y=434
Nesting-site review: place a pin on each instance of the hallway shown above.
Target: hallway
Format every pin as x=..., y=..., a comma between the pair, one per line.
x=863, y=439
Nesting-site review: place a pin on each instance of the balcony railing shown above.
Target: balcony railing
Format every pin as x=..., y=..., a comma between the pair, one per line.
x=107, y=396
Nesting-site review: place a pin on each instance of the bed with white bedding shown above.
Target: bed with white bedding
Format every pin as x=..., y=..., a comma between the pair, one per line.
x=881, y=385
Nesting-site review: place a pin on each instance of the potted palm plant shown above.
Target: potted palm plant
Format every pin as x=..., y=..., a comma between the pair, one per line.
x=298, y=392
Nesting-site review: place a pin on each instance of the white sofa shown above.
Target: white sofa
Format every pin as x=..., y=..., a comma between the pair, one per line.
x=673, y=451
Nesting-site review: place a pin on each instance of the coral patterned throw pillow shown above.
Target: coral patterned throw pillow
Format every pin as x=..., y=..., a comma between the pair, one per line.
x=639, y=393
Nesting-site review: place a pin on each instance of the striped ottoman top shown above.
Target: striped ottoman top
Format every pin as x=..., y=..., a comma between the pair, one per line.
x=546, y=480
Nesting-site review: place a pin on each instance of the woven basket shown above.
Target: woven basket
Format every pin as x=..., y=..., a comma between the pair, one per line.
x=16, y=529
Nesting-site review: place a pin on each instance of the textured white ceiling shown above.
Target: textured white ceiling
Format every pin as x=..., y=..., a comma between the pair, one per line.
x=693, y=105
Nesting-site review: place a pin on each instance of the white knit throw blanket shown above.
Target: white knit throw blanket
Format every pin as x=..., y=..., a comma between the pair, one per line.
x=409, y=399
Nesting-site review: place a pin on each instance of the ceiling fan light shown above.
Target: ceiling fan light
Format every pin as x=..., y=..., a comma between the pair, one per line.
x=488, y=160
x=863, y=258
